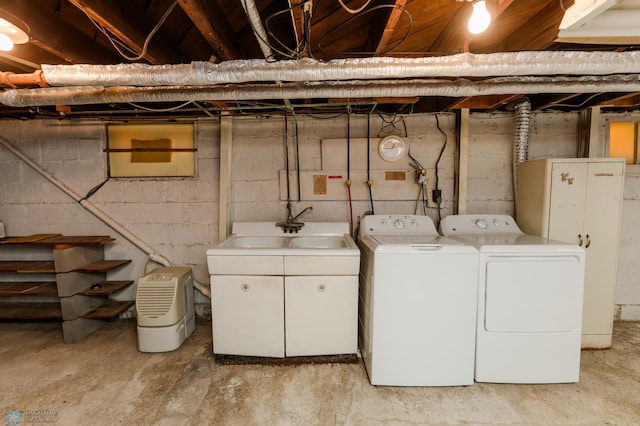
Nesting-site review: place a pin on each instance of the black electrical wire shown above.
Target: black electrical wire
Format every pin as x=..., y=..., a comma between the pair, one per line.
x=444, y=145
x=94, y=190
x=293, y=53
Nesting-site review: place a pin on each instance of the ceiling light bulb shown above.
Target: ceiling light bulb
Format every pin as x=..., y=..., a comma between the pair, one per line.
x=480, y=18
x=5, y=42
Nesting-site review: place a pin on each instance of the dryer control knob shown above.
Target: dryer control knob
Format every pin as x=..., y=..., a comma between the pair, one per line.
x=482, y=224
x=399, y=223
x=496, y=223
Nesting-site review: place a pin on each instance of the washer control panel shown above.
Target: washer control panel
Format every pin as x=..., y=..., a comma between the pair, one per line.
x=397, y=225
x=479, y=224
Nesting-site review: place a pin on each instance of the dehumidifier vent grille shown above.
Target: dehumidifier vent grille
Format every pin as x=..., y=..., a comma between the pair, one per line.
x=155, y=300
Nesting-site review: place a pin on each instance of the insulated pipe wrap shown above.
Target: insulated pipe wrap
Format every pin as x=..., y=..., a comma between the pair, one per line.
x=239, y=71
x=353, y=89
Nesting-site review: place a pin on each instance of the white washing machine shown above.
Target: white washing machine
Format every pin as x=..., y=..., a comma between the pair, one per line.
x=418, y=294
x=529, y=301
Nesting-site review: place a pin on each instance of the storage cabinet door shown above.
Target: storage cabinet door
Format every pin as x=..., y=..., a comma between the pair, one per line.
x=601, y=227
x=248, y=315
x=321, y=315
x=568, y=192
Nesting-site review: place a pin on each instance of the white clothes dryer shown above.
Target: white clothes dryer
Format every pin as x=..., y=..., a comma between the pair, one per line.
x=418, y=295
x=529, y=301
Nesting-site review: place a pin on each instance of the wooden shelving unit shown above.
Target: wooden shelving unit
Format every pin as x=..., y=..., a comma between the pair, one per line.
x=80, y=296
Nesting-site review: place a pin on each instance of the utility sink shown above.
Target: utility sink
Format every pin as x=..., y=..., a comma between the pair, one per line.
x=322, y=242
x=254, y=242
x=319, y=248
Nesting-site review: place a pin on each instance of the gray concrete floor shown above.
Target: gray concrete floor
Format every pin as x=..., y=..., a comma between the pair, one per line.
x=104, y=380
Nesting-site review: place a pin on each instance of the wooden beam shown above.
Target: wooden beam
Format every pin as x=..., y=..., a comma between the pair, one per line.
x=542, y=101
x=626, y=100
x=539, y=32
x=380, y=101
x=128, y=30
x=382, y=27
x=454, y=37
x=297, y=21
x=52, y=35
x=220, y=37
x=483, y=102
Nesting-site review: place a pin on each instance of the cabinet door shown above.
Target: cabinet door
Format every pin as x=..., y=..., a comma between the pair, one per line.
x=601, y=227
x=321, y=315
x=568, y=192
x=247, y=315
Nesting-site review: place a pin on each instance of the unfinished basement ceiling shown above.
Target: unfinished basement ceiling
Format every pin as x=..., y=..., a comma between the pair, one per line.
x=103, y=32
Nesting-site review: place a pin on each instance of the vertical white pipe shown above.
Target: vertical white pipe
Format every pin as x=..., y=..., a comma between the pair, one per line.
x=224, y=204
x=596, y=145
x=463, y=161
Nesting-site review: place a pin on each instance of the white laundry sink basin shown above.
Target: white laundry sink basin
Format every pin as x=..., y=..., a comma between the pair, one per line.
x=321, y=242
x=254, y=242
x=319, y=248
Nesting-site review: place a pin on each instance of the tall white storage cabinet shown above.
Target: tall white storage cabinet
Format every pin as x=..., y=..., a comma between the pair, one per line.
x=579, y=201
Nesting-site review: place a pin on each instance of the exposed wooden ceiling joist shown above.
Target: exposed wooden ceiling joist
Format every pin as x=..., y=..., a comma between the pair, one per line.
x=130, y=31
x=627, y=100
x=207, y=20
x=69, y=45
x=488, y=102
x=383, y=26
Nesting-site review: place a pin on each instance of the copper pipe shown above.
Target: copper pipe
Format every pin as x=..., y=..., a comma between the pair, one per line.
x=11, y=79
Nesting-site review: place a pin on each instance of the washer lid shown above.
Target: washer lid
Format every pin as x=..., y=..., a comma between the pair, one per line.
x=413, y=239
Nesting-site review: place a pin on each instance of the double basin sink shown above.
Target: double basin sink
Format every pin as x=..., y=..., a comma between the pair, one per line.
x=323, y=248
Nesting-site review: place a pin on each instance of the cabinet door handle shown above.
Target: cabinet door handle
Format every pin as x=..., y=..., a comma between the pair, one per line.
x=245, y=287
x=588, y=241
x=580, y=240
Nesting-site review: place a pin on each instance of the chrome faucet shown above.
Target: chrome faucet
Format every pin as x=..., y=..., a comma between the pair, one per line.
x=291, y=225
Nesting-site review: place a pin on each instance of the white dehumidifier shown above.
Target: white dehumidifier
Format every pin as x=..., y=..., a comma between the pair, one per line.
x=165, y=309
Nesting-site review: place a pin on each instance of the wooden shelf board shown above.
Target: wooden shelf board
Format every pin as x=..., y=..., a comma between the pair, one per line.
x=28, y=267
x=30, y=311
x=106, y=288
x=102, y=266
x=29, y=289
x=27, y=239
x=109, y=310
x=59, y=240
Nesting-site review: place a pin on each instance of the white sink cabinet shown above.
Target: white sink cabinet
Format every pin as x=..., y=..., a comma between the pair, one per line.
x=287, y=300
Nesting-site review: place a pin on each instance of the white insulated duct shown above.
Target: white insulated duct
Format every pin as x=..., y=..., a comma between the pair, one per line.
x=309, y=70
x=348, y=90
x=253, y=14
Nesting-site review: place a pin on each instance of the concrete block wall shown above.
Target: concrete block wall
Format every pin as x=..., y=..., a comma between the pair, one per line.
x=179, y=216
x=175, y=216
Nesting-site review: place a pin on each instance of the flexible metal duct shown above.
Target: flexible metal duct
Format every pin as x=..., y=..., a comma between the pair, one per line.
x=349, y=90
x=240, y=71
x=521, y=138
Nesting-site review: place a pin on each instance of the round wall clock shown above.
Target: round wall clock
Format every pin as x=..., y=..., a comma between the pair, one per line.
x=391, y=148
